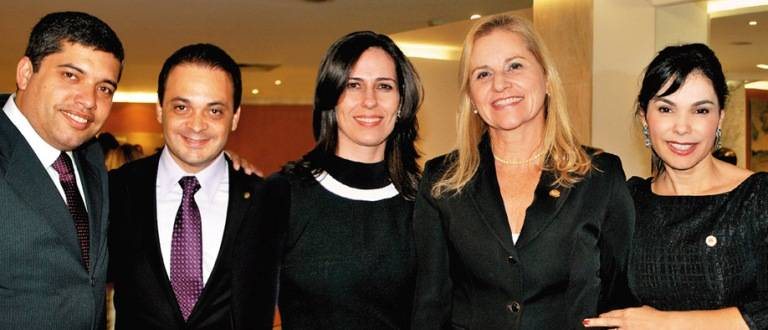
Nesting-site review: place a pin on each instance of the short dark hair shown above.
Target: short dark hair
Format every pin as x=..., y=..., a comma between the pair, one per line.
x=207, y=55
x=401, y=153
x=74, y=27
x=675, y=64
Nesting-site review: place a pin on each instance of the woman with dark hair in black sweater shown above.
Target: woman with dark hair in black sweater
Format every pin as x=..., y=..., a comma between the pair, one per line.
x=347, y=254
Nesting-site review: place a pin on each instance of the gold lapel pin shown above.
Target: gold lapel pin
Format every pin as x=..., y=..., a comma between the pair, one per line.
x=247, y=195
x=554, y=193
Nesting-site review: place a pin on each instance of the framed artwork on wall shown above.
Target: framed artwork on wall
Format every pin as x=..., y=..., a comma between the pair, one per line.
x=757, y=126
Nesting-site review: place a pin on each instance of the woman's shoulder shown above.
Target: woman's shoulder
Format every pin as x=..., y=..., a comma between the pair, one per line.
x=439, y=164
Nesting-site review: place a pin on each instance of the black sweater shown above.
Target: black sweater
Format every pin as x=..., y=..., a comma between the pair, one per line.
x=347, y=260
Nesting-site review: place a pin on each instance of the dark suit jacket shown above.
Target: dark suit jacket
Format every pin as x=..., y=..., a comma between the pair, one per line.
x=568, y=263
x=43, y=284
x=240, y=291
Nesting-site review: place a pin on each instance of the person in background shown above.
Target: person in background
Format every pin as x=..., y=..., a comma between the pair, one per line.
x=520, y=227
x=346, y=206
x=53, y=185
x=107, y=141
x=699, y=254
x=189, y=248
x=122, y=154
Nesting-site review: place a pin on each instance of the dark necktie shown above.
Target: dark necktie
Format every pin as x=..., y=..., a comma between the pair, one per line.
x=187, y=249
x=63, y=165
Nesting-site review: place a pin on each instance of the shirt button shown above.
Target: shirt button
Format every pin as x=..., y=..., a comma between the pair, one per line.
x=711, y=240
x=514, y=307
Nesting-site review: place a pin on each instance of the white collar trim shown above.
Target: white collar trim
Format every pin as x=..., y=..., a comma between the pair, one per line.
x=371, y=195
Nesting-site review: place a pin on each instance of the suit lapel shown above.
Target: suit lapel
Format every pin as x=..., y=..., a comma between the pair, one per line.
x=146, y=205
x=240, y=194
x=29, y=179
x=486, y=197
x=94, y=197
x=547, y=201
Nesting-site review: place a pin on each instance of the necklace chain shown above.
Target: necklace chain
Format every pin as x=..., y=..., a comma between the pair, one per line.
x=520, y=162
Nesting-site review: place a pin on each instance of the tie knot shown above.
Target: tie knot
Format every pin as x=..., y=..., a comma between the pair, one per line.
x=189, y=185
x=63, y=165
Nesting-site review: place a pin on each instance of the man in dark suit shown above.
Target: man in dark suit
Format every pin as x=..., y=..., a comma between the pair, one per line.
x=53, y=185
x=189, y=250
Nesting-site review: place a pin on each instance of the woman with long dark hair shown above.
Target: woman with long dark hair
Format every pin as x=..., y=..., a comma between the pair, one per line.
x=348, y=260
x=699, y=254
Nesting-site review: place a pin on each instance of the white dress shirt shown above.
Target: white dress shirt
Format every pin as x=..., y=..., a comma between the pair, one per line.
x=45, y=152
x=212, y=200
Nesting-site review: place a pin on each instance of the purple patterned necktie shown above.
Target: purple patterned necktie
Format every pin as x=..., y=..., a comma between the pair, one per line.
x=63, y=165
x=187, y=249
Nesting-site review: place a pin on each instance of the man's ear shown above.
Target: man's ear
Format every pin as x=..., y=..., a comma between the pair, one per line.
x=236, y=118
x=24, y=72
x=159, y=113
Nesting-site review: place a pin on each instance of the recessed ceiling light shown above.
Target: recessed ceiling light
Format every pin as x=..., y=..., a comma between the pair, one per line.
x=752, y=23
x=763, y=66
x=255, y=91
x=475, y=16
x=278, y=82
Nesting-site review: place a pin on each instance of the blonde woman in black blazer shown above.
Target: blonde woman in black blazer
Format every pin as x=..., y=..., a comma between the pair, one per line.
x=520, y=227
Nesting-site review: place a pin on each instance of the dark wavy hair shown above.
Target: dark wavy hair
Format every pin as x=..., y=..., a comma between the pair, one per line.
x=401, y=153
x=674, y=64
x=75, y=27
x=207, y=55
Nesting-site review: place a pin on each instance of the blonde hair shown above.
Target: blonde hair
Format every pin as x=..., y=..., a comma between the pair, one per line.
x=564, y=154
x=124, y=153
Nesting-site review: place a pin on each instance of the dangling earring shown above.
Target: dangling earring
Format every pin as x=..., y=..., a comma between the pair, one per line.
x=398, y=113
x=646, y=137
x=718, y=139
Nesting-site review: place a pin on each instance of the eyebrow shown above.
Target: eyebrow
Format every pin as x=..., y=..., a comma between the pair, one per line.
x=668, y=101
x=505, y=62
x=186, y=100
x=81, y=71
x=377, y=79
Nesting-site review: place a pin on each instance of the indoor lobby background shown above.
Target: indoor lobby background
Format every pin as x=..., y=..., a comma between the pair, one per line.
x=601, y=48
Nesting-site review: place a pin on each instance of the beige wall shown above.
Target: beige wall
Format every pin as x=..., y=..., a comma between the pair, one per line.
x=623, y=46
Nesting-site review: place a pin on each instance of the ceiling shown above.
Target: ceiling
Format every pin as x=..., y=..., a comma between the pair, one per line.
x=293, y=34
x=739, y=46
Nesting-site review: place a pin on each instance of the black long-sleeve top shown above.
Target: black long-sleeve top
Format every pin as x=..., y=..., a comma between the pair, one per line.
x=347, y=260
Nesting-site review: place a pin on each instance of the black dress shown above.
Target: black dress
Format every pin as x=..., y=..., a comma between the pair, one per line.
x=348, y=260
x=703, y=252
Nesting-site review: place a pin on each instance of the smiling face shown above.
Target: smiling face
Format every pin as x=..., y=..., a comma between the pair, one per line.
x=197, y=115
x=367, y=108
x=69, y=98
x=507, y=85
x=682, y=125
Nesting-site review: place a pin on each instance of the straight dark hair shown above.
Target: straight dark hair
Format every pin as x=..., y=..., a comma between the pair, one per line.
x=74, y=27
x=674, y=64
x=207, y=55
x=401, y=153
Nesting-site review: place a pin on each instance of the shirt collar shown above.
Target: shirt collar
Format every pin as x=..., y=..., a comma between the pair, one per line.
x=45, y=152
x=169, y=173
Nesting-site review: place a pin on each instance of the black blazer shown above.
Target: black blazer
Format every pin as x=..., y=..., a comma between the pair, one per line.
x=240, y=291
x=43, y=284
x=568, y=264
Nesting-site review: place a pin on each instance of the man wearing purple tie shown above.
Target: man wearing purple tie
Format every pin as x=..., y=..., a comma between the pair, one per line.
x=188, y=247
x=53, y=185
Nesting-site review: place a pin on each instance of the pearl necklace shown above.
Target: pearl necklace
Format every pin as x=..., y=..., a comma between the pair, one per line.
x=520, y=162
